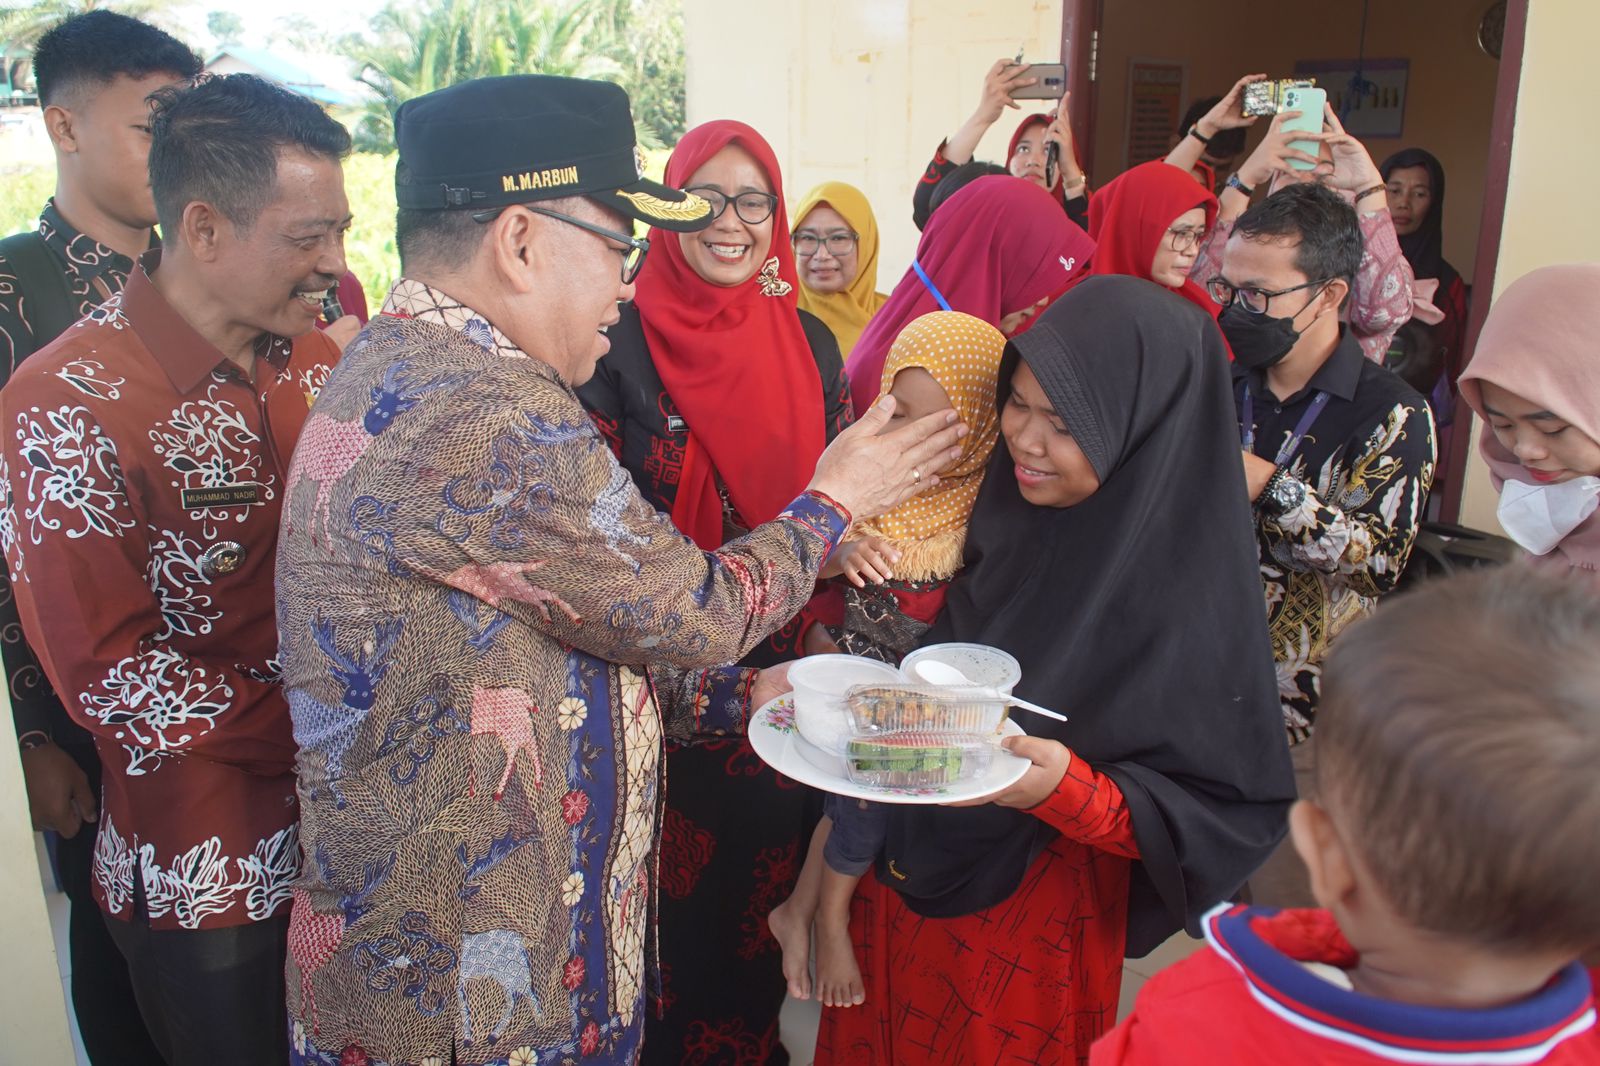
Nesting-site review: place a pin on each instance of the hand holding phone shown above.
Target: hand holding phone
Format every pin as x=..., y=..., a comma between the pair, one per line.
x=1310, y=103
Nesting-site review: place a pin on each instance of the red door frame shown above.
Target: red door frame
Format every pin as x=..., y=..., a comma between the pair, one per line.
x=1080, y=24
x=1496, y=180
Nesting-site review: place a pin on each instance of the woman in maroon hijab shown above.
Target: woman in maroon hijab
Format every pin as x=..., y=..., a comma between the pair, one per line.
x=999, y=250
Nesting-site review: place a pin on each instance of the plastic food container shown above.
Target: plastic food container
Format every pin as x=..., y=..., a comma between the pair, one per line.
x=879, y=709
x=917, y=760
x=820, y=683
x=984, y=666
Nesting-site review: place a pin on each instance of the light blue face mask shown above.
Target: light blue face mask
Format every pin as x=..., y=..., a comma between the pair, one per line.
x=944, y=305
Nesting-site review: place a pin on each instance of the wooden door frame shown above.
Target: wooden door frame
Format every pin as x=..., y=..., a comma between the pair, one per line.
x=1496, y=181
x=1080, y=25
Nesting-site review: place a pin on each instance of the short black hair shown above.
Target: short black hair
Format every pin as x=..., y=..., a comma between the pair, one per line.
x=97, y=47
x=1319, y=218
x=427, y=237
x=218, y=142
x=1225, y=144
x=959, y=179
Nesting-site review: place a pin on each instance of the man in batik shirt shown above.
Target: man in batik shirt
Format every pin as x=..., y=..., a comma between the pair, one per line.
x=94, y=73
x=1338, y=452
x=486, y=630
x=145, y=456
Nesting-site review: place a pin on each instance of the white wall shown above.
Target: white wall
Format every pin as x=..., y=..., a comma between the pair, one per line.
x=33, y=1011
x=859, y=90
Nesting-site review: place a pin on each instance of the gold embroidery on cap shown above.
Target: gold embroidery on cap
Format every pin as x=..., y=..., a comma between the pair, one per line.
x=771, y=284
x=539, y=179
x=692, y=208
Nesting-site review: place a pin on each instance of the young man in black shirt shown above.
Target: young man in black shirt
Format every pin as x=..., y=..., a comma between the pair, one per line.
x=1338, y=452
x=93, y=73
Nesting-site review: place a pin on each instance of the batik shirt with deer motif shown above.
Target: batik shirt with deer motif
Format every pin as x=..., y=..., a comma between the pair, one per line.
x=143, y=475
x=486, y=633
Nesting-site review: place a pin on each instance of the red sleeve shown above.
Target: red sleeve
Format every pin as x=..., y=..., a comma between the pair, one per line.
x=353, y=297
x=1087, y=806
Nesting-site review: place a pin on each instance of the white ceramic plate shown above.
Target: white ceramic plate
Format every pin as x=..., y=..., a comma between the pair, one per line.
x=778, y=742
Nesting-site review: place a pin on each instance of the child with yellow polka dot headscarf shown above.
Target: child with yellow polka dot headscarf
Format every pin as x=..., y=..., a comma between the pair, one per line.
x=898, y=566
x=900, y=562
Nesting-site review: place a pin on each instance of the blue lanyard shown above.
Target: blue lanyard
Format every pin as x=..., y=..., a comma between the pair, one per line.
x=938, y=296
x=1247, y=427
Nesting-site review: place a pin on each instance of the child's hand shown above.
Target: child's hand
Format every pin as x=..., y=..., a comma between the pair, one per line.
x=867, y=560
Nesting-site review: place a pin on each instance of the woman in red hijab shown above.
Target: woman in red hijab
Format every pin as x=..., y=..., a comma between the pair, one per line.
x=999, y=250
x=1025, y=156
x=718, y=395
x=1148, y=223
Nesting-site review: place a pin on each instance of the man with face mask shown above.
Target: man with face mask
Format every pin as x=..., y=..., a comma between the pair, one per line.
x=1338, y=452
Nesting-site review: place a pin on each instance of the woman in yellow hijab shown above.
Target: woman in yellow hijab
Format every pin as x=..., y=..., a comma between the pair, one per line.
x=836, y=248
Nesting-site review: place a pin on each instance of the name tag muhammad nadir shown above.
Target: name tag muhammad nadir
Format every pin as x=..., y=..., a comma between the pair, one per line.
x=244, y=493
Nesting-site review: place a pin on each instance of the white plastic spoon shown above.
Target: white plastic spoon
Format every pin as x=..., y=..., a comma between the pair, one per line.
x=937, y=673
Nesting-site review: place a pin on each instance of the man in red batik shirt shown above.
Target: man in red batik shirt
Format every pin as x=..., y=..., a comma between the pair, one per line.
x=144, y=457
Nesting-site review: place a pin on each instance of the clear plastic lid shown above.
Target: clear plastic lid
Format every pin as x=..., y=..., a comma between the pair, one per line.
x=901, y=708
x=917, y=760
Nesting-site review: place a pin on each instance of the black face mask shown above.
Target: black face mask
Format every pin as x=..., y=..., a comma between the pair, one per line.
x=1258, y=341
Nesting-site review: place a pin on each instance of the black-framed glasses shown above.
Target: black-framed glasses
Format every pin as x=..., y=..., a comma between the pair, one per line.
x=753, y=208
x=1253, y=300
x=1184, y=238
x=838, y=244
x=632, y=257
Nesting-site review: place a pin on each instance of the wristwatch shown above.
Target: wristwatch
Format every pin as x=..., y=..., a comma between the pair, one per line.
x=1235, y=183
x=1282, y=495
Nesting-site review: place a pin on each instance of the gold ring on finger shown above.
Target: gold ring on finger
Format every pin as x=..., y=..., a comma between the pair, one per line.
x=916, y=476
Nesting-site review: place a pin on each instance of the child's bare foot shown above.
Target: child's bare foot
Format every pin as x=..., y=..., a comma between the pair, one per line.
x=793, y=933
x=838, y=976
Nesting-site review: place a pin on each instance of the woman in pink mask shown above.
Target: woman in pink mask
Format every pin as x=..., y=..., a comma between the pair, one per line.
x=1533, y=381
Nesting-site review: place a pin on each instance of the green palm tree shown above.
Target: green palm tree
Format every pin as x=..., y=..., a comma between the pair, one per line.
x=415, y=51
x=22, y=26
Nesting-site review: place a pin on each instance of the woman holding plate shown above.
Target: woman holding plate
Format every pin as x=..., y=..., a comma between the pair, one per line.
x=997, y=932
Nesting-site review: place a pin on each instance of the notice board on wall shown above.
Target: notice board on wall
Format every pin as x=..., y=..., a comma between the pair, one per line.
x=1155, y=105
x=1369, y=97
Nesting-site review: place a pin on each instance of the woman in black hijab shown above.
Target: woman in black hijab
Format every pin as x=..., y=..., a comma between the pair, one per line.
x=1112, y=552
x=1415, y=180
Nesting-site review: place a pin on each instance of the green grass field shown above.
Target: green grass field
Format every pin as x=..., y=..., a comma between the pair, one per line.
x=369, y=183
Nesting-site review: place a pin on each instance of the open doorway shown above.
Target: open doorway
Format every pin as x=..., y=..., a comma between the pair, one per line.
x=1436, y=74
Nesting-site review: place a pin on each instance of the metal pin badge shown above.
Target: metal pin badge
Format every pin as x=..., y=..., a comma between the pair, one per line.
x=222, y=558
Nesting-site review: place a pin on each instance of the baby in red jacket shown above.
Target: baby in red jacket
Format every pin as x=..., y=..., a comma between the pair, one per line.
x=1453, y=841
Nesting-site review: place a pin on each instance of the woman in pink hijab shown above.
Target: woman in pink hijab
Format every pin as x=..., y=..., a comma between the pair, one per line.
x=999, y=250
x=1535, y=382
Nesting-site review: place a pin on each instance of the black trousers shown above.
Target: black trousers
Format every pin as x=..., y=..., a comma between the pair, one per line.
x=210, y=996
x=109, y=1021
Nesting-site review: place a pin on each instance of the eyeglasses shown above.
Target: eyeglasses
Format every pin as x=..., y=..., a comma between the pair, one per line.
x=753, y=208
x=1182, y=238
x=839, y=244
x=1255, y=301
x=632, y=257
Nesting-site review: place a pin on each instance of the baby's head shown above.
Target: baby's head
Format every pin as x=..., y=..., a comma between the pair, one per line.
x=1457, y=744
x=947, y=359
